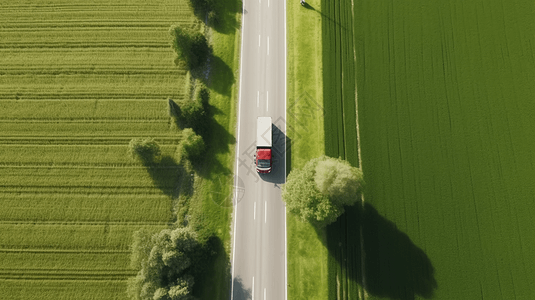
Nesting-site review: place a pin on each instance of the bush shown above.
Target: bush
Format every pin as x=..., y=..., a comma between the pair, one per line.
x=201, y=94
x=190, y=46
x=147, y=150
x=191, y=146
x=191, y=112
x=319, y=192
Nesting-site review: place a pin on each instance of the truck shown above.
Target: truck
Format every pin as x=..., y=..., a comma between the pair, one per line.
x=264, y=136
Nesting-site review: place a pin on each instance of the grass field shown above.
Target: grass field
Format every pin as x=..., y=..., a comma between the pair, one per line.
x=78, y=81
x=446, y=116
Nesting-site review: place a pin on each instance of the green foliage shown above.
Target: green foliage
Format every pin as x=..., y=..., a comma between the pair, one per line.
x=337, y=179
x=190, y=46
x=214, y=19
x=202, y=6
x=191, y=146
x=303, y=198
x=191, y=112
x=319, y=192
x=201, y=94
x=164, y=264
x=141, y=243
x=145, y=149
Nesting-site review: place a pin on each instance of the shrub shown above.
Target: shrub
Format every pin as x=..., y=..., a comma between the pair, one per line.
x=190, y=46
x=192, y=113
x=191, y=146
x=147, y=150
x=319, y=192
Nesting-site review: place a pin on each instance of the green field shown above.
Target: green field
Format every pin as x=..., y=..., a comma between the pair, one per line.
x=77, y=82
x=446, y=115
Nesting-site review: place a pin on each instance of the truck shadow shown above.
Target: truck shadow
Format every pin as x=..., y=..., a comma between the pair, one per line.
x=280, y=148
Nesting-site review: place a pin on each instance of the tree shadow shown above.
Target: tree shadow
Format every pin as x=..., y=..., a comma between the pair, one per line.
x=381, y=258
x=164, y=174
x=212, y=258
x=225, y=16
x=240, y=292
x=225, y=77
x=217, y=139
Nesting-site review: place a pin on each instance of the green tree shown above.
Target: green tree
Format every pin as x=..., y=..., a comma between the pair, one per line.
x=190, y=46
x=145, y=149
x=164, y=271
x=338, y=180
x=202, y=6
x=318, y=192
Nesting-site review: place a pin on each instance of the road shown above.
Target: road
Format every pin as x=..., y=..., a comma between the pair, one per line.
x=259, y=228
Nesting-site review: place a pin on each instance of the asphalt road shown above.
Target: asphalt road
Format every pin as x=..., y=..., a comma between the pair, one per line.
x=259, y=229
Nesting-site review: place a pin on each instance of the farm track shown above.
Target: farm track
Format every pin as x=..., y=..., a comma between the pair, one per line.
x=339, y=73
x=78, y=82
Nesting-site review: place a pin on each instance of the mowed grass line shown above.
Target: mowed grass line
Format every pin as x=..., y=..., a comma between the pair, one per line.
x=446, y=113
x=306, y=251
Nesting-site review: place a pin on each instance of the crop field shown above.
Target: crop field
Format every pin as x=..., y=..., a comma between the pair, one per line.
x=78, y=81
x=343, y=238
x=446, y=116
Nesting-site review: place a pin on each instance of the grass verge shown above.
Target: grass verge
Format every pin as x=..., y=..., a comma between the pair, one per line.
x=211, y=206
x=307, y=254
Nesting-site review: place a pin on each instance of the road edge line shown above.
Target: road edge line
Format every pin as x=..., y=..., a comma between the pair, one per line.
x=285, y=150
x=237, y=154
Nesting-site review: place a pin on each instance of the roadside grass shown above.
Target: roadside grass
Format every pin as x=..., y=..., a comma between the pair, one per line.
x=307, y=254
x=210, y=209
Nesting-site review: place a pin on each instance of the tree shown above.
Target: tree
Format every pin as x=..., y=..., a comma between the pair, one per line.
x=202, y=6
x=165, y=271
x=319, y=192
x=337, y=179
x=190, y=46
x=145, y=149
